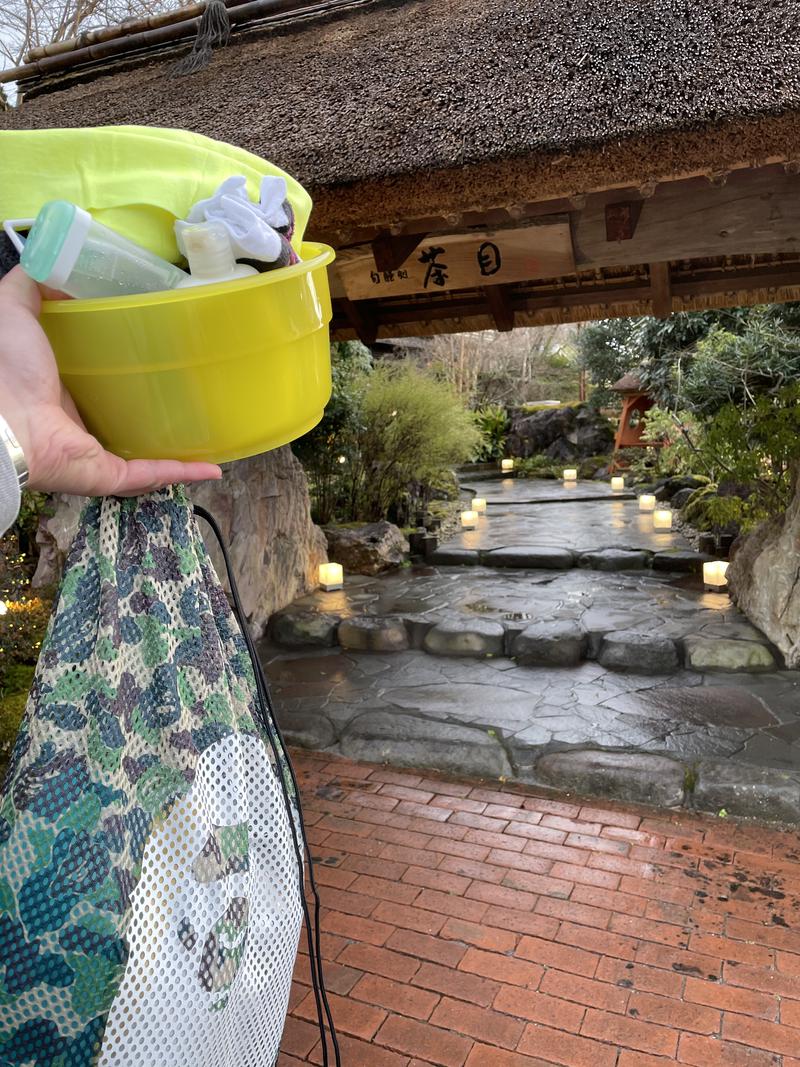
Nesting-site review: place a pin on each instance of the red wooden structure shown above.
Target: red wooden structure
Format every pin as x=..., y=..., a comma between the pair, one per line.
x=636, y=402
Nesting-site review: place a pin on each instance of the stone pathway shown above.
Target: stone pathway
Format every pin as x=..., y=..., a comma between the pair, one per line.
x=472, y=925
x=551, y=666
x=505, y=491
x=671, y=735
x=535, y=512
x=581, y=527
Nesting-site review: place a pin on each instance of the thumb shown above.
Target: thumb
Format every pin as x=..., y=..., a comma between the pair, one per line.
x=18, y=289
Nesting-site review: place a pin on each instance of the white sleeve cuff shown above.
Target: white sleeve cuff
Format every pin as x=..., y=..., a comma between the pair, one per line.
x=9, y=491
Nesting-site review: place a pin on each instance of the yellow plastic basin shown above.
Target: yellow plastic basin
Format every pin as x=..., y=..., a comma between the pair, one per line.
x=213, y=372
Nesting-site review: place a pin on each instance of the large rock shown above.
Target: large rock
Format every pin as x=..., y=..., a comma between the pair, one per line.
x=560, y=433
x=682, y=498
x=615, y=559
x=371, y=633
x=305, y=728
x=551, y=644
x=722, y=654
x=369, y=549
x=636, y=777
x=406, y=741
x=543, y=557
x=627, y=650
x=465, y=636
x=680, y=559
x=742, y=789
x=452, y=556
x=262, y=507
x=54, y=537
x=594, y=433
x=763, y=580
x=304, y=629
x=679, y=484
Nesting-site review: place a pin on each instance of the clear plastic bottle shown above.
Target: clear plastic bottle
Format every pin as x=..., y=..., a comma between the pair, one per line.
x=208, y=249
x=67, y=250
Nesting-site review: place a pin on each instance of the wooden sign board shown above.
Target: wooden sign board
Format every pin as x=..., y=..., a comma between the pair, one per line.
x=463, y=261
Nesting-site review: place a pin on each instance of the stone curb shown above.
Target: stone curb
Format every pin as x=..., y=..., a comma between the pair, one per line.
x=561, y=643
x=533, y=557
x=396, y=738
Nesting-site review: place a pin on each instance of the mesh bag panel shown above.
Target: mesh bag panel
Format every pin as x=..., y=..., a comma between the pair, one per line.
x=150, y=902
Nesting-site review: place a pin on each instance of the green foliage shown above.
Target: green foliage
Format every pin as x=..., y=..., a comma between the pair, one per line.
x=697, y=360
x=604, y=351
x=675, y=433
x=751, y=452
x=413, y=428
x=13, y=698
x=33, y=506
x=537, y=467
x=22, y=631
x=388, y=438
x=492, y=422
x=327, y=448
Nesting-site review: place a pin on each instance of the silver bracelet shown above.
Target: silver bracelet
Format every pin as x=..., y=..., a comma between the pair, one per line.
x=14, y=449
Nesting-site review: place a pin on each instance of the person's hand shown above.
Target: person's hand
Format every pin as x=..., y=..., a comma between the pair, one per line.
x=61, y=455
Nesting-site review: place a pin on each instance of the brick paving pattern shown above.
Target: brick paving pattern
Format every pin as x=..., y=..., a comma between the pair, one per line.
x=491, y=926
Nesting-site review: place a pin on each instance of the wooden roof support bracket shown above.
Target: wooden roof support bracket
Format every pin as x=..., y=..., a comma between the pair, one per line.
x=362, y=317
x=498, y=297
x=390, y=253
x=661, y=290
x=622, y=219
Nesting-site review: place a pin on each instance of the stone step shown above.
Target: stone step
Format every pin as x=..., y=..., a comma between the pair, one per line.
x=584, y=766
x=545, y=557
x=547, y=643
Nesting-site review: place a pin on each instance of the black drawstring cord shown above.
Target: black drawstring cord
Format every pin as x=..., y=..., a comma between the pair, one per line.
x=270, y=724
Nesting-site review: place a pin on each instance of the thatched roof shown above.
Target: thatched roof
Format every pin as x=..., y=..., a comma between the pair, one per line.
x=436, y=116
x=394, y=88
x=628, y=383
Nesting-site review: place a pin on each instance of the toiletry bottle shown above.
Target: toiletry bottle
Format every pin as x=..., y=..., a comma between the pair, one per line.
x=68, y=251
x=208, y=249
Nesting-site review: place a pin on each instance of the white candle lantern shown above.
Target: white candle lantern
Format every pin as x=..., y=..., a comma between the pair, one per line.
x=469, y=519
x=715, y=575
x=570, y=474
x=331, y=576
x=507, y=465
x=617, y=484
x=662, y=519
x=478, y=504
x=647, y=502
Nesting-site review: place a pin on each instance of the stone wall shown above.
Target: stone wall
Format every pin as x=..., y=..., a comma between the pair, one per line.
x=262, y=508
x=764, y=580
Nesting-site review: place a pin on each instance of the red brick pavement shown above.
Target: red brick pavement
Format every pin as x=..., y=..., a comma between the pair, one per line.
x=492, y=926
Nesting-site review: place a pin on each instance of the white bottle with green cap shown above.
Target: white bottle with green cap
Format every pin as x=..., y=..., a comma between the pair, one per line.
x=67, y=250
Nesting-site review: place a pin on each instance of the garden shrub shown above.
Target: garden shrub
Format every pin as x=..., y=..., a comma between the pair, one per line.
x=412, y=428
x=328, y=447
x=539, y=466
x=493, y=423
x=386, y=444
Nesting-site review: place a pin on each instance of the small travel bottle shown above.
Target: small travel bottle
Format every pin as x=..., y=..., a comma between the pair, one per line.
x=67, y=250
x=208, y=249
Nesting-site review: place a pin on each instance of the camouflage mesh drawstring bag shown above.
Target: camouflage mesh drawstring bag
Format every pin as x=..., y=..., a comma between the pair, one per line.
x=150, y=874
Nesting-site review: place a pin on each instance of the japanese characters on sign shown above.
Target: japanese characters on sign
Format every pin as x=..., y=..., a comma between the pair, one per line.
x=463, y=261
